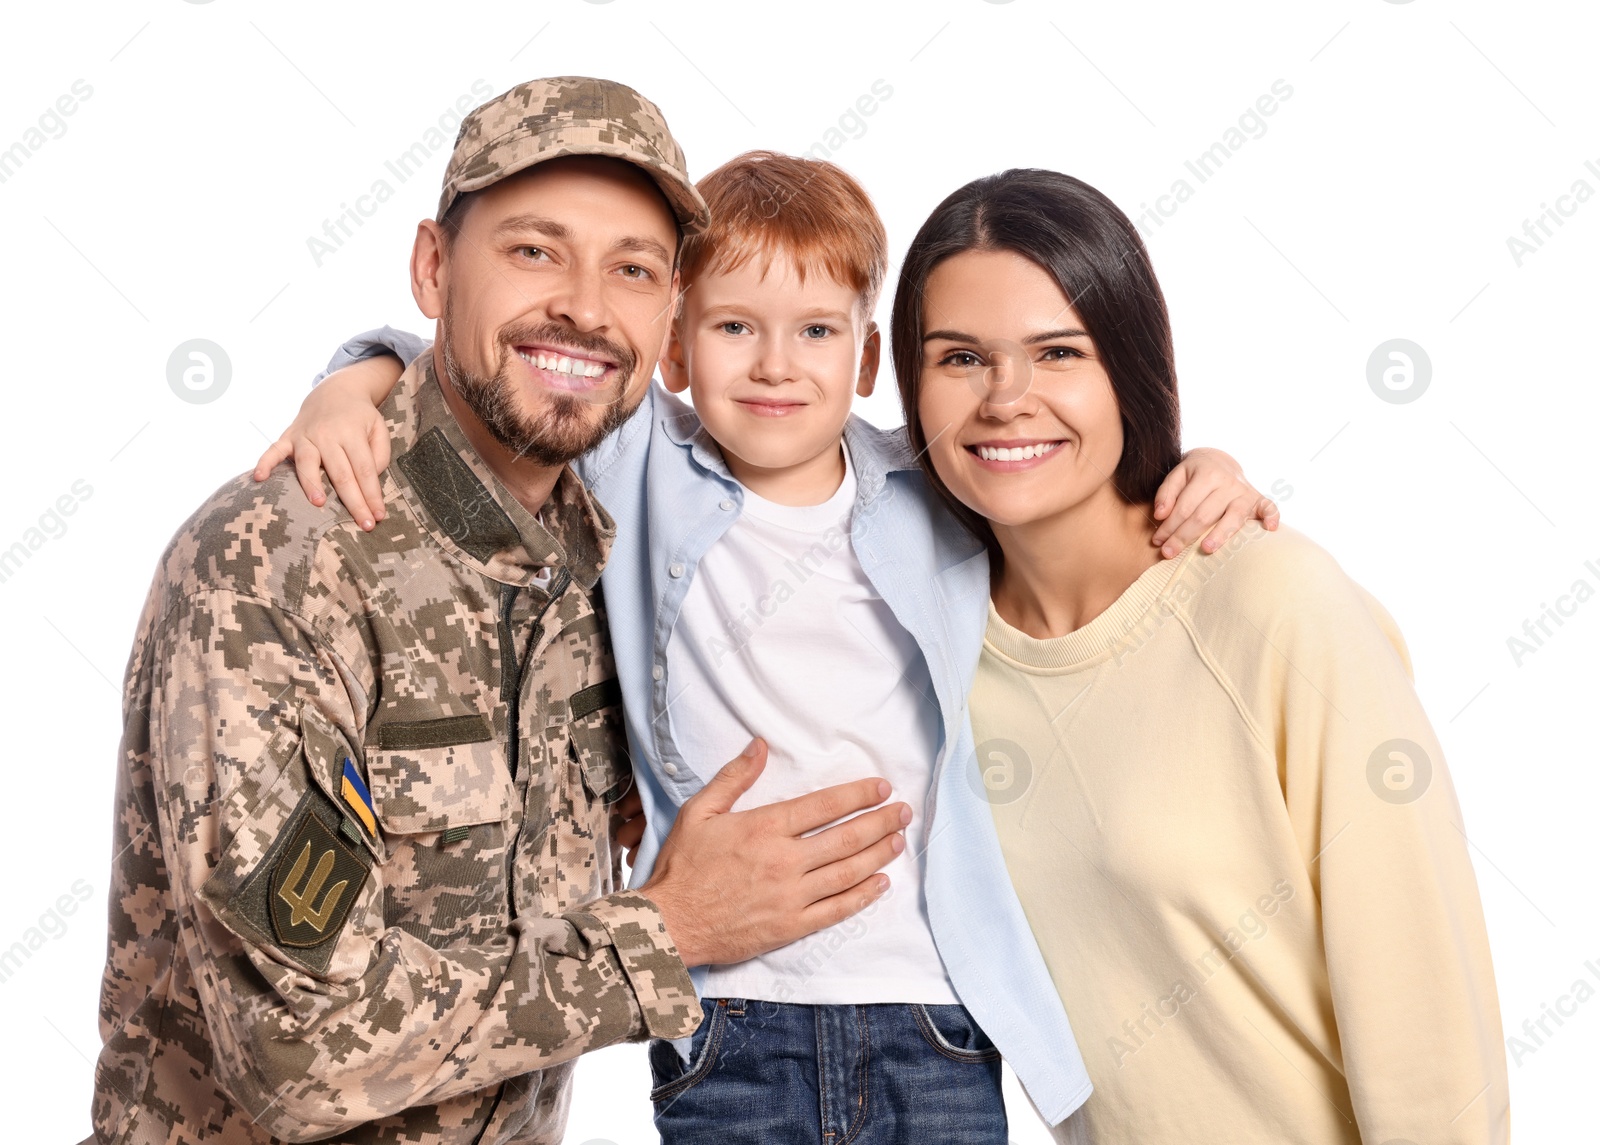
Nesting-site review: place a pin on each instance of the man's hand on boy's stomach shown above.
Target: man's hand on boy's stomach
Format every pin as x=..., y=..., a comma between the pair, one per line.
x=734, y=884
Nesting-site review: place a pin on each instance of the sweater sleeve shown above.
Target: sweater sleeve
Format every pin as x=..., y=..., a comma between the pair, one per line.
x=1372, y=805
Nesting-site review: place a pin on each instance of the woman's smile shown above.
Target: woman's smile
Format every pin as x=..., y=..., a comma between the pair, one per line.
x=1014, y=455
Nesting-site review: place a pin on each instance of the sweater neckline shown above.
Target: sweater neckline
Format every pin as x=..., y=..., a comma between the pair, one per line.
x=1096, y=639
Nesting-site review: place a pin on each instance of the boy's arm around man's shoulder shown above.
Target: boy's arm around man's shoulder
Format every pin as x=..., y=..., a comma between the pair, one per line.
x=402, y=344
x=616, y=457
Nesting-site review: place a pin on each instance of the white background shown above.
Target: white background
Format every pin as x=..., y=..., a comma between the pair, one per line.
x=219, y=137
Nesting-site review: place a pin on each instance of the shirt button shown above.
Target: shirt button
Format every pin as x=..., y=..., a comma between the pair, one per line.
x=657, y=671
x=726, y=505
x=675, y=569
x=670, y=768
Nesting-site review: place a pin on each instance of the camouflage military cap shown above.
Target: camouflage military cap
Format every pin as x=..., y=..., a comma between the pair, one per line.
x=570, y=115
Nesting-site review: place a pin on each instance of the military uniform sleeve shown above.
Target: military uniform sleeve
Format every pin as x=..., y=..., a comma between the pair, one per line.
x=321, y=1016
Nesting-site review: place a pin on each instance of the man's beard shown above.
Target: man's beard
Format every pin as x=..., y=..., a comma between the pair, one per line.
x=563, y=429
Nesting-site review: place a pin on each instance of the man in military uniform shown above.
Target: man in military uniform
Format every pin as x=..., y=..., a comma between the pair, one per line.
x=370, y=783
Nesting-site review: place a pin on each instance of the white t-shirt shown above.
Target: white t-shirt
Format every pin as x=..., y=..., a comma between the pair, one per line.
x=781, y=635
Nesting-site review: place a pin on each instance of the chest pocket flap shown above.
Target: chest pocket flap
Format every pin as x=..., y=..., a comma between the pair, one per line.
x=334, y=768
x=431, y=775
x=599, y=739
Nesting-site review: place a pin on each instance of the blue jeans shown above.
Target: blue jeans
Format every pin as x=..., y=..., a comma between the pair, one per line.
x=885, y=1074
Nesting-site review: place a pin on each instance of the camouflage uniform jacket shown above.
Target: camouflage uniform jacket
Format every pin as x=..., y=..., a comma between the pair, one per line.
x=364, y=884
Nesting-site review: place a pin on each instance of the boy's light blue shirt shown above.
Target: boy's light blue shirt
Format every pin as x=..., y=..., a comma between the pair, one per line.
x=663, y=480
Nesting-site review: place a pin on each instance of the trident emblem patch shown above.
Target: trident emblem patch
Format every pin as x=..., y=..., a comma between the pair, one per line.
x=314, y=884
x=300, y=909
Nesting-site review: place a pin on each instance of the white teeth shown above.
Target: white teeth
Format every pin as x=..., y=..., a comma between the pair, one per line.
x=561, y=364
x=1016, y=452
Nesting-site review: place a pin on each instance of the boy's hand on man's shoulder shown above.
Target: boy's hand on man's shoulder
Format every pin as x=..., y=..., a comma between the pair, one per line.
x=340, y=432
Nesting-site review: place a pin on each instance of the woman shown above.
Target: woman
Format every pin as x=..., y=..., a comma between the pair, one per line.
x=1257, y=903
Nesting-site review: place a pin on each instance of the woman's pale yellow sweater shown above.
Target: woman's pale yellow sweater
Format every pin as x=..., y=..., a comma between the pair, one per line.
x=1233, y=833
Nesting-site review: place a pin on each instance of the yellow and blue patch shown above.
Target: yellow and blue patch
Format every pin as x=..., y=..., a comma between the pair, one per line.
x=358, y=798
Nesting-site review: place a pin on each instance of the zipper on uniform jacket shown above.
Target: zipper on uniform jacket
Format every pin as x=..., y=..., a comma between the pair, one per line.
x=512, y=665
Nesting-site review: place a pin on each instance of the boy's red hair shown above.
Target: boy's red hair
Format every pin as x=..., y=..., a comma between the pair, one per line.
x=764, y=204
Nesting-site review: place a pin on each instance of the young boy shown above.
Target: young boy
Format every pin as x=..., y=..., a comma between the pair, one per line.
x=781, y=570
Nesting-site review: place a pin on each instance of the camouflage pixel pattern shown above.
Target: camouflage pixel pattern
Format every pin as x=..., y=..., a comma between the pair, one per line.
x=440, y=975
x=570, y=115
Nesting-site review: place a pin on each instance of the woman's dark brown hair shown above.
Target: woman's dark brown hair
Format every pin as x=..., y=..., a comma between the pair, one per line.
x=1080, y=239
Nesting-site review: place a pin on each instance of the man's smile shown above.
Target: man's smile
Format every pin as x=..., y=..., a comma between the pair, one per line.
x=565, y=369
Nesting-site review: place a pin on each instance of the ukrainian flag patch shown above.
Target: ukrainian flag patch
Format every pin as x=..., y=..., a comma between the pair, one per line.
x=358, y=798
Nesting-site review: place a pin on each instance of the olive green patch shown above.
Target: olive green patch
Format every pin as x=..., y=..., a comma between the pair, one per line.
x=315, y=880
x=456, y=499
x=595, y=697
x=448, y=732
x=252, y=904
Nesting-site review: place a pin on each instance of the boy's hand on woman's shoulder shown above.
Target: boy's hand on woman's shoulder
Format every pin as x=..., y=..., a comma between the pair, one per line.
x=1208, y=488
